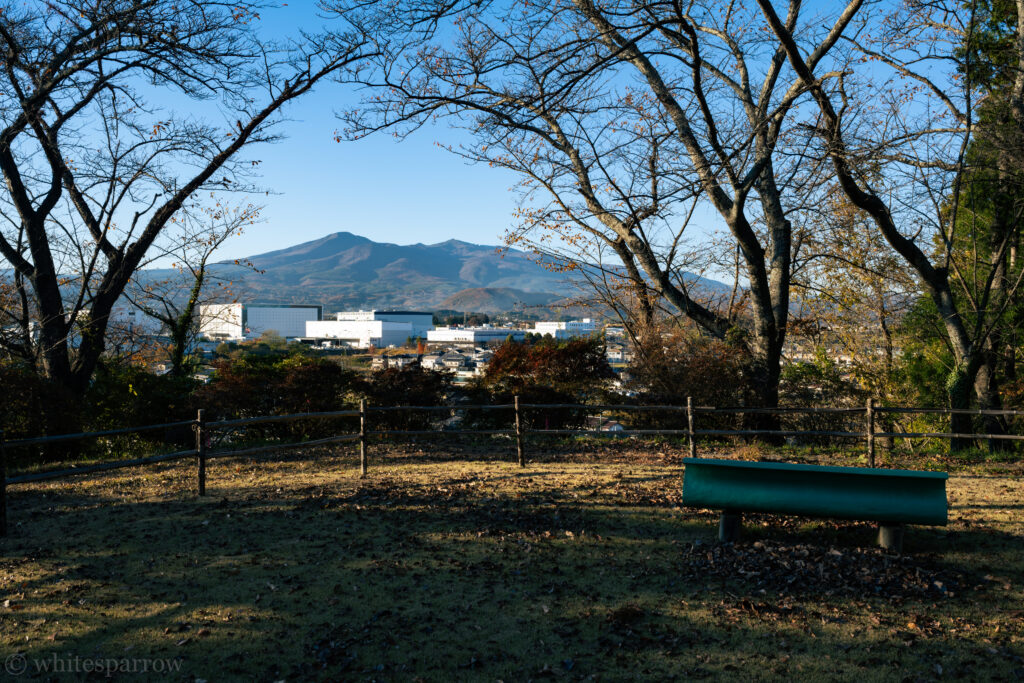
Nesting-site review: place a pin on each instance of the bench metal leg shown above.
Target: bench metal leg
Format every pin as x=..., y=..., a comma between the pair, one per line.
x=729, y=525
x=890, y=536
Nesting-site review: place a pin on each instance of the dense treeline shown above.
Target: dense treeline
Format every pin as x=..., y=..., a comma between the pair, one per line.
x=892, y=247
x=271, y=377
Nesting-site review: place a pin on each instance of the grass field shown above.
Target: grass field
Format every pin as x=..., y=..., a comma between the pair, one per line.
x=581, y=569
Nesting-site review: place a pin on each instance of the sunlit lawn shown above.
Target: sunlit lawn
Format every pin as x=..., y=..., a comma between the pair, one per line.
x=478, y=570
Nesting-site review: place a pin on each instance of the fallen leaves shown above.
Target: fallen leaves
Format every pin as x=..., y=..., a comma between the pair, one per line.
x=13, y=605
x=477, y=570
x=804, y=569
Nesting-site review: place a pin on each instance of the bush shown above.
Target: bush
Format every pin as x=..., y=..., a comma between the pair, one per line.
x=548, y=371
x=279, y=382
x=129, y=396
x=410, y=385
x=817, y=384
x=34, y=406
x=671, y=365
x=119, y=396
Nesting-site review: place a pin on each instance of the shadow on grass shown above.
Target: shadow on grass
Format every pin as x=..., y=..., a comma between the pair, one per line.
x=482, y=576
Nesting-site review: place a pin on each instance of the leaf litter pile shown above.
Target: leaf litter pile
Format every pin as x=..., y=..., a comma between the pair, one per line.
x=807, y=569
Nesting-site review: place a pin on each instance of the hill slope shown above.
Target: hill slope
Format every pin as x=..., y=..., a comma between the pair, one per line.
x=347, y=271
x=496, y=299
x=343, y=270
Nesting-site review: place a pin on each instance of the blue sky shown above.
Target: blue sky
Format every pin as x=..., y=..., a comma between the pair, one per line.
x=387, y=190
x=390, y=191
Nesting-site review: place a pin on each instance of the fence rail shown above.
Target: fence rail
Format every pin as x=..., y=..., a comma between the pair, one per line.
x=518, y=429
x=35, y=441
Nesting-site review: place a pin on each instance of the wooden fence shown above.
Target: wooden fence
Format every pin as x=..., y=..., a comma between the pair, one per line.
x=204, y=430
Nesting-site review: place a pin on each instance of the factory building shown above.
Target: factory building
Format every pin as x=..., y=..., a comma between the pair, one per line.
x=475, y=336
x=420, y=322
x=566, y=330
x=221, y=322
x=359, y=334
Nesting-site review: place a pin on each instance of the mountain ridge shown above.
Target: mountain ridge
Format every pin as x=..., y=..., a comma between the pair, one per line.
x=343, y=270
x=346, y=270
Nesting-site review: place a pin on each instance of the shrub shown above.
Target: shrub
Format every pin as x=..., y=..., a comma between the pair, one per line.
x=671, y=365
x=545, y=372
x=411, y=385
x=129, y=396
x=32, y=405
x=279, y=382
x=814, y=384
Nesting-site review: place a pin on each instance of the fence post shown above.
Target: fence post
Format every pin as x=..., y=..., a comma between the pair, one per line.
x=871, y=432
x=362, y=438
x=201, y=449
x=3, y=486
x=689, y=426
x=519, y=435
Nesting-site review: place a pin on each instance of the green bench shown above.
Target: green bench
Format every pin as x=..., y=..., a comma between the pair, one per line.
x=892, y=498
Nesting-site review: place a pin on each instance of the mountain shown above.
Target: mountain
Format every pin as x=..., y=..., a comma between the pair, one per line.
x=343, y=270
x=496, y=299
x=346, y=271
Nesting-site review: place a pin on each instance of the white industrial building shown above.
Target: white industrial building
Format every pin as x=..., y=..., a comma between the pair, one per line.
x=363, y=329
x=566, y=330
x=360, y=334
x=473, y=335
x=420, y=322
x=224, y=322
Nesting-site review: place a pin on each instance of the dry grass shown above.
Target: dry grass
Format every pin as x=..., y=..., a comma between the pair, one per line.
x=477, y=570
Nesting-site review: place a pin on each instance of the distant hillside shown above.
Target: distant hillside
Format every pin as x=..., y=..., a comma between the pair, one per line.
x=347, y=271
x=497, y=299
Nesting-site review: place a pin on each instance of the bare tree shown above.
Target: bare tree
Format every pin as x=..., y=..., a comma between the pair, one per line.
x=620, y=117
x=603, y=283
x=922, y=151
x=173, y=302
x=95, y=171
x=852, y=289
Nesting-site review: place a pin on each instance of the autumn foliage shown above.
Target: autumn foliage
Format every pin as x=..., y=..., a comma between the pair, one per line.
x=544, y=372
x=672, y=365
x=278, y=383
x=410, y=385
x=575, y=368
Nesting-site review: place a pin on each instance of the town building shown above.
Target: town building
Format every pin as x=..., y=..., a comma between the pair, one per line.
x=360, y=334
x=598, y=423
x=567, y=329
x=432, y=361
x=398, y=360
x=420, y=322
x=235, y=322
x=453, y=360
x=363, y=329
x=618, y=352
x=473, y=336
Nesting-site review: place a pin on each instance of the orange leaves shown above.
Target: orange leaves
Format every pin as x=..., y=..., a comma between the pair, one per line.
x=158, y=128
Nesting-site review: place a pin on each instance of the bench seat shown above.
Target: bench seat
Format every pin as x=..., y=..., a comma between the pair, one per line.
x=890, y=497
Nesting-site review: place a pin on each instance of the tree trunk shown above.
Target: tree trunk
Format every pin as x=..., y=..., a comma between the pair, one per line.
x=986, y=389
x=958, y=391
x=178, y=342
x=763, y=392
